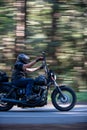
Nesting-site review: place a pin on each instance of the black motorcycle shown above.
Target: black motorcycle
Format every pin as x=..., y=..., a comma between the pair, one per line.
x=63, y=98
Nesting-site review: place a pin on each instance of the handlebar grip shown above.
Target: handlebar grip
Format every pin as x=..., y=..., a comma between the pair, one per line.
x=43, y=53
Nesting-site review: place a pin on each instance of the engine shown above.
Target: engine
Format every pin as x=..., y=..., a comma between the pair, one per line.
x=40, y=83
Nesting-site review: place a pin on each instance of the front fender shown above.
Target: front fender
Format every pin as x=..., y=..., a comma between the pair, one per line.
x=59, y=89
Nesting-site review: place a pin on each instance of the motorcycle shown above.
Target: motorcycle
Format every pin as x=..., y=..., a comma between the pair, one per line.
x=63, y=97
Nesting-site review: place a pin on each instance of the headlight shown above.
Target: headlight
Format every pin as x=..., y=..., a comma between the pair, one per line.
x=55, y=77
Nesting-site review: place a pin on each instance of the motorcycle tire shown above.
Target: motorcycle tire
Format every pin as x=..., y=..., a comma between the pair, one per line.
x=55, y=97
x=6, y=106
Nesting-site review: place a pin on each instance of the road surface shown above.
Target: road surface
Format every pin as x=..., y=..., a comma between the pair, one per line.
x=44, y=115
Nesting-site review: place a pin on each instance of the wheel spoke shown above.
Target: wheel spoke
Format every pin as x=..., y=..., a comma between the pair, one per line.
x=64, y=102
x=4, y=106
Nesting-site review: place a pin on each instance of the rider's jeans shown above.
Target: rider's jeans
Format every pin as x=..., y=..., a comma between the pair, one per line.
x=25, y=82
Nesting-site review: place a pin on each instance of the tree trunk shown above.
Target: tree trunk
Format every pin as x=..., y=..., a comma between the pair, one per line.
x=20, y=26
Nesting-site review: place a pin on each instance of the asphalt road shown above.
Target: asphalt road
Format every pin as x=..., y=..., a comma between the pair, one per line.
x=44, y=115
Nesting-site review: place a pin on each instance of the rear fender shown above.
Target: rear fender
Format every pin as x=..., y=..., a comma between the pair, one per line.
x=5, y=87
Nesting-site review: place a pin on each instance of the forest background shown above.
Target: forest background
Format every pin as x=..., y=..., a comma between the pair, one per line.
x=58, y=27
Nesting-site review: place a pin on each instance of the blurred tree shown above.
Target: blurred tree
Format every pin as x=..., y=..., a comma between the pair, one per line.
x=58, y=27
x=7, y=34
x=20, y=26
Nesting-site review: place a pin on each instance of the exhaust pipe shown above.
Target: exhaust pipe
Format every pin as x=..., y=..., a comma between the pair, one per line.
x=13, y=101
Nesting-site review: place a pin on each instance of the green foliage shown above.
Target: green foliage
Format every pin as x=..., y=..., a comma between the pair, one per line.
x=58, y=27
x=82, y=96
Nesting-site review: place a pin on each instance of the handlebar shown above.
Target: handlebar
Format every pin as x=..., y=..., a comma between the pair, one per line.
x=43, y=53
x=44, y=62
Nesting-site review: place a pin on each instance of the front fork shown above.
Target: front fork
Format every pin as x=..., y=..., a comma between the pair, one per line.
x=59, y=89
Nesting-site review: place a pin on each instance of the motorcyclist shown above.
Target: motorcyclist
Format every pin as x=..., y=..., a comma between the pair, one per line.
x=19, y=78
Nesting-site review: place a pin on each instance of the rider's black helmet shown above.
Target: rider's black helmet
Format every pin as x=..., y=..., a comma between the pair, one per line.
x=23, y=58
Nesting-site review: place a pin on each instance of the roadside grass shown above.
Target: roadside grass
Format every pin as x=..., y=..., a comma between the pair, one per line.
x=81, y=96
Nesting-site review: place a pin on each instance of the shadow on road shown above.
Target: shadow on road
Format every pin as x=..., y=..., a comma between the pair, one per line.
x=79, y=126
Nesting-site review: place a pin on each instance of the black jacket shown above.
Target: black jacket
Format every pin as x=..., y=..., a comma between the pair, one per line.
x=18, y=71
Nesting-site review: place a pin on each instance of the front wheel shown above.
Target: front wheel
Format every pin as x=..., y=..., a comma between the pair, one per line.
x=65, y=103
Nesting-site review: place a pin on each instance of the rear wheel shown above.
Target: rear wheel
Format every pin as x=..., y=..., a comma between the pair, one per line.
x=5, y=106
x=65, y=103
